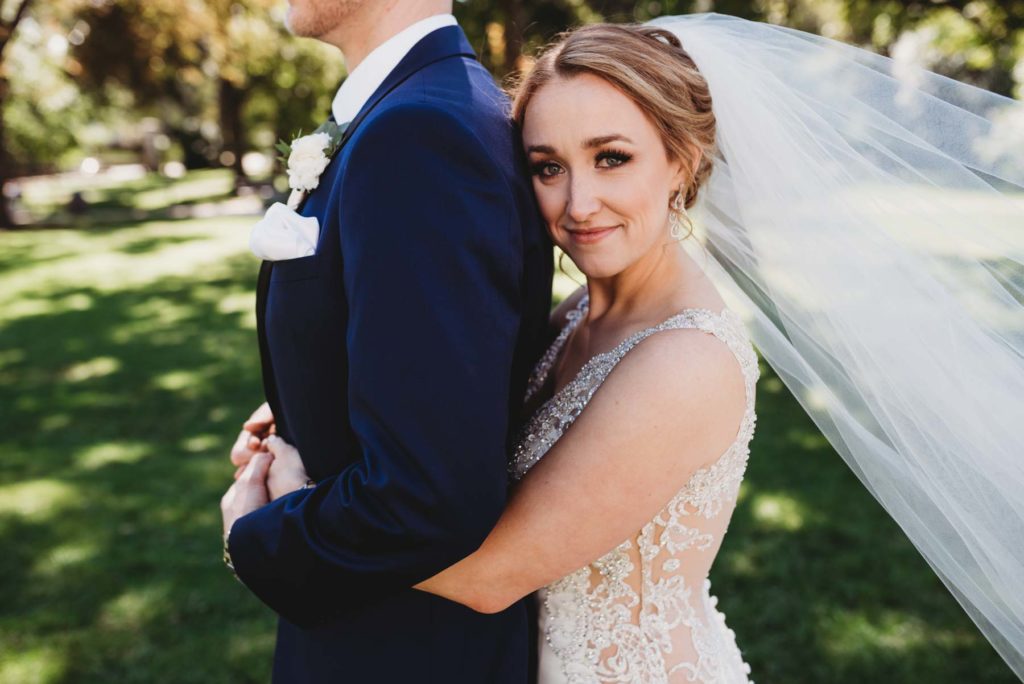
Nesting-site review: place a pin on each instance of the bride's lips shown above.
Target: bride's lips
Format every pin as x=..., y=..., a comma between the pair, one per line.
x=590, y=235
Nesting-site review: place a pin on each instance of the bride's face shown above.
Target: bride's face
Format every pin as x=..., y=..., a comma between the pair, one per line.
x=601, y=173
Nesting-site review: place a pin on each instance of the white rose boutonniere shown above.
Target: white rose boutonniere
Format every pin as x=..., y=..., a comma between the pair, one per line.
x=306, y=158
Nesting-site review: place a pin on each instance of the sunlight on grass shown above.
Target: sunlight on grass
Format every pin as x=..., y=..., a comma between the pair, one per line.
x=36, y=500
x=134, y=608
x=101, y=455
x=55, y=421
x=739, y=564
x=160, y=311
x=41, y=306
x=850, y=635
x=807, y=440
x=245, y=646
x=184, y=191
x=197, y=444
x=102, y=260
x=93, y=368
x=64, y=558
x=39, y=665
x=237, y=302
x=778, y=512
x=9, y=357
x=179, y=380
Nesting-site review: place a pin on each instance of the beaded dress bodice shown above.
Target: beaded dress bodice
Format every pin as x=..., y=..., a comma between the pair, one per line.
x=642, y=613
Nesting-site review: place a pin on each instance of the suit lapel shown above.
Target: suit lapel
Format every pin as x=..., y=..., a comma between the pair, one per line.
x=443, y=43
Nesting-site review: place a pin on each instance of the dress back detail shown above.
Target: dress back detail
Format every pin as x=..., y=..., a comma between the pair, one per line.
x=642, y=613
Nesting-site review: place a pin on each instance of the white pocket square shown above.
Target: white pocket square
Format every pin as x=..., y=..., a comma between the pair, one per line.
x=283, y=234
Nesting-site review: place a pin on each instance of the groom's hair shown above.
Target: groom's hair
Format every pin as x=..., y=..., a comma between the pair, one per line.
x=649, y=66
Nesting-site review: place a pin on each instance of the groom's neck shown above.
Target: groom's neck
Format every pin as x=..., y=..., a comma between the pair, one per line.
x=376, y=22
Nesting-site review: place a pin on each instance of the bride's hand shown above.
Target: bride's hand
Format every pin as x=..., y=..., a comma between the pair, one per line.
x=286, y=472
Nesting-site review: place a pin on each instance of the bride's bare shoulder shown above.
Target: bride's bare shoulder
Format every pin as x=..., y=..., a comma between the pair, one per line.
x=688, y=372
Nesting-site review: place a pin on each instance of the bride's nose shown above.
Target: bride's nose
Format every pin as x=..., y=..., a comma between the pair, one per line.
x=583, y=201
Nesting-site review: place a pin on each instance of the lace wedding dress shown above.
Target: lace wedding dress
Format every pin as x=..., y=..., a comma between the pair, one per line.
x=642, y=613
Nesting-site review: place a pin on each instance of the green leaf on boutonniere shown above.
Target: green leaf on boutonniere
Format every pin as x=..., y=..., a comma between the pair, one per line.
x=335, y=132
x=286, y=149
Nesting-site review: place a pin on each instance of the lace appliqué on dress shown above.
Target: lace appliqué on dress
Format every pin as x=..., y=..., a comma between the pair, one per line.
x=612, y=621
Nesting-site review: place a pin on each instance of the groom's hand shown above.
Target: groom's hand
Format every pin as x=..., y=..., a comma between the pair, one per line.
x=249, y=492
x=259, y=426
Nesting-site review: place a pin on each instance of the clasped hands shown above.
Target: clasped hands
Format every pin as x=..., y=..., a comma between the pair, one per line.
x=267, y=468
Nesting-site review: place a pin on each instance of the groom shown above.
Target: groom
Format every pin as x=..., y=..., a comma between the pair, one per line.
x=395, y=359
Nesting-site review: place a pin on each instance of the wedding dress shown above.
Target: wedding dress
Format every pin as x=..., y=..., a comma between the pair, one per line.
x=643, y=612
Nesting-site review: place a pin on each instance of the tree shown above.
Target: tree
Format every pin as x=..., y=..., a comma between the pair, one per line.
x=9, y=20
x=219, y=73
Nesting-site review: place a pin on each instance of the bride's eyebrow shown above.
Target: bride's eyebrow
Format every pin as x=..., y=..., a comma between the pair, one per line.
x=589, y=143
x=604, y=140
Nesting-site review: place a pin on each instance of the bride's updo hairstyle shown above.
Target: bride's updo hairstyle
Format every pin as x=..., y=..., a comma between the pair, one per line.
x=650, y=67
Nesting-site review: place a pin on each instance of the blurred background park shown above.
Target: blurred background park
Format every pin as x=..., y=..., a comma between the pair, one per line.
x=136, y=148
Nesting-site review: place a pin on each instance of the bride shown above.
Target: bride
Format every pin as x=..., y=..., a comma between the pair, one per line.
x=850, y=217
x=632, y=461
x=858, y=212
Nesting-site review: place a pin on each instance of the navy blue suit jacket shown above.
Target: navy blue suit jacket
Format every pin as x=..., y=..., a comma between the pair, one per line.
x=395, y=359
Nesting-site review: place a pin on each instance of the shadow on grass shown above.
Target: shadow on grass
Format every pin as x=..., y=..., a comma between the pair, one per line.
x=117, y=420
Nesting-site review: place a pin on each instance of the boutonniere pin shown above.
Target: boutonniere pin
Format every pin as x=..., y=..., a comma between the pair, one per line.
x=306, y=158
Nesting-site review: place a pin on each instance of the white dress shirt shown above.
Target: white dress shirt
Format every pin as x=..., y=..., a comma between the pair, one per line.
x=371, y=72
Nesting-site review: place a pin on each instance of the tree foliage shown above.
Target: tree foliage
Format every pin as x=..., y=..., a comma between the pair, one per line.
x=224, y=76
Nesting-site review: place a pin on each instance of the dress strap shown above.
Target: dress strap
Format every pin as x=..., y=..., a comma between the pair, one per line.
x=726, y=326
x=543, y=367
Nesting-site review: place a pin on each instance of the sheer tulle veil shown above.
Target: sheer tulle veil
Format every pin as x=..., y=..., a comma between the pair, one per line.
x=865, y=216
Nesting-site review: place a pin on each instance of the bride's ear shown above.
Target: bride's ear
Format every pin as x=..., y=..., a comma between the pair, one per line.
x=686, y=168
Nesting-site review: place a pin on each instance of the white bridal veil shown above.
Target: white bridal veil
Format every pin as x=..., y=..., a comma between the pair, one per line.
x=867, y=217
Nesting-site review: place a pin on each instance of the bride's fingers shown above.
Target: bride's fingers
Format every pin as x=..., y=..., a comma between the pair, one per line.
x=280, y=448
x=255, y=472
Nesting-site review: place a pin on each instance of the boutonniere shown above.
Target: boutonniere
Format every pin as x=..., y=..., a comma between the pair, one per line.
x=306, y=158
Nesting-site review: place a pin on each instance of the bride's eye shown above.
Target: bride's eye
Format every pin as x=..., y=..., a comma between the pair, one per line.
x=545, y=169
x=613, y=158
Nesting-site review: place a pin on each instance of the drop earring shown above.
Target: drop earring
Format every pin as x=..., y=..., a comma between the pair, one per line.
x=676, y=214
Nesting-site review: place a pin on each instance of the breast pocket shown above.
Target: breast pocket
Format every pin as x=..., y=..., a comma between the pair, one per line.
x=303, y=268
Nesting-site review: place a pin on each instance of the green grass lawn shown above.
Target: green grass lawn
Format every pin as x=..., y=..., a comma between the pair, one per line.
x=127, y=362
x=114, y=201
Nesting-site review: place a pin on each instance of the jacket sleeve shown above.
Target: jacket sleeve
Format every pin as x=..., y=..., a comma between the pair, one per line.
x=432, y=268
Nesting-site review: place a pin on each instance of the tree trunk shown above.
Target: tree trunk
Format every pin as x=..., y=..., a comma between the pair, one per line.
x=515, y=20
x=231, y=101
x=6, y=172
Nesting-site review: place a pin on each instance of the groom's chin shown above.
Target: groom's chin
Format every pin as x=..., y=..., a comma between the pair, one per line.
x=298, y=24
x=316, y=18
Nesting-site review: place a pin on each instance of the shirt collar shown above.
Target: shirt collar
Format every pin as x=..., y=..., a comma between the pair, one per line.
x=357, y=88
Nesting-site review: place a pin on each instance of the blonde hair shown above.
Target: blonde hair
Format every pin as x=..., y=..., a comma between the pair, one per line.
x=649, y=66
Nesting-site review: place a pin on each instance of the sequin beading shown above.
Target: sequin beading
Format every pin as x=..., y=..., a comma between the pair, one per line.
x=643, y=612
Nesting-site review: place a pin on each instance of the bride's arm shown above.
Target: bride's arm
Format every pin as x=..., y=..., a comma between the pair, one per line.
x=672, y=405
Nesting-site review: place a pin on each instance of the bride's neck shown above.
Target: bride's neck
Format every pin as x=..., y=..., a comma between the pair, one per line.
x=647, y=288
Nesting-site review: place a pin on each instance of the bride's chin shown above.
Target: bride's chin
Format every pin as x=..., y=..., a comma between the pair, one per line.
x=596, y=269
